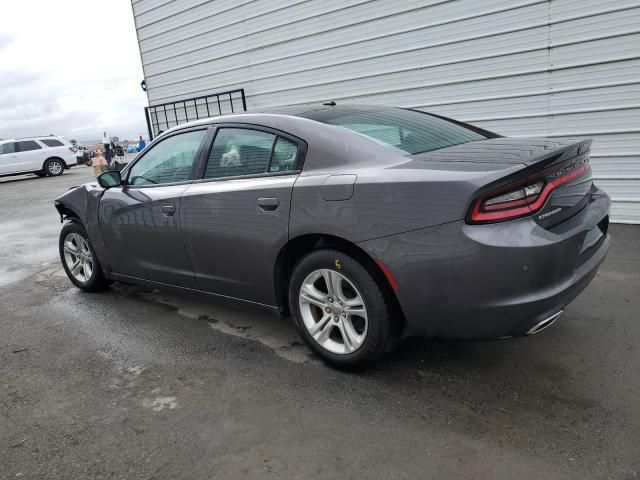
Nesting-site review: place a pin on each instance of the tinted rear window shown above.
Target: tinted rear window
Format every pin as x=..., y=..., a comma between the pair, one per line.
x=406, y=131
x=27, y=145
x=50, y=142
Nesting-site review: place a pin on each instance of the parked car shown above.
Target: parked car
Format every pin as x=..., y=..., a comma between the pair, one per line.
x=365, y=224
x=132, y=148
x=82, y=155
x=40, y=155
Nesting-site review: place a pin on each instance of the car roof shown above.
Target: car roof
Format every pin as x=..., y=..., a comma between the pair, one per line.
x=292, y=111
x=306, y=108
x=32, y=137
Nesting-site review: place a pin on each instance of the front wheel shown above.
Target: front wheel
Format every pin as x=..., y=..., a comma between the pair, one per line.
x=54, y=167
x=79, y=259
x=339, y=309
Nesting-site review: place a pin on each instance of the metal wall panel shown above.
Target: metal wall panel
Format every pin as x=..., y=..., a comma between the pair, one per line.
x=529, y=67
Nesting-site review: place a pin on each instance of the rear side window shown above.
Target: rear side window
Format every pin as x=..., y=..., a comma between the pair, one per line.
x=406, y=131
x=239, y=151
x=27, y=145
x=51, y=142
x=242, y=151
x=284, y=156
x=7, y=148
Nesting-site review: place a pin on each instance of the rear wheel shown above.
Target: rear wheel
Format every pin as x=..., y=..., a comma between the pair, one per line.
x=54, y=167
x=79, y=259
x=339, y=309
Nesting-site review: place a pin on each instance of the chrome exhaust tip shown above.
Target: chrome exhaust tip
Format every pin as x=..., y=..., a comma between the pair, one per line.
x=547, y=322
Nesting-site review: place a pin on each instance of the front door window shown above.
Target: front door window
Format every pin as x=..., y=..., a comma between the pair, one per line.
x=169, y=161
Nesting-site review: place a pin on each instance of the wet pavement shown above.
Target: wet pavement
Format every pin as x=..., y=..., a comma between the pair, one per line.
x=136, y=383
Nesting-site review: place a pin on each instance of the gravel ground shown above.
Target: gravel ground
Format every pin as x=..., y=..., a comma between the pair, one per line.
x=136, y=383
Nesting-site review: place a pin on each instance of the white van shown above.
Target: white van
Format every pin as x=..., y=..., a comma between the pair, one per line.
x=40, y=155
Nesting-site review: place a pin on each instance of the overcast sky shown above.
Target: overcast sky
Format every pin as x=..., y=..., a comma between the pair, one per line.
x=71, y=68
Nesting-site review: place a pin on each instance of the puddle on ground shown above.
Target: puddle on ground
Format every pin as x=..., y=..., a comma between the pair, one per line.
x=278, y=334
x=8, y=277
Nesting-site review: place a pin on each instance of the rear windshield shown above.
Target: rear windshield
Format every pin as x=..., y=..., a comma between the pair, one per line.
x=406, y=131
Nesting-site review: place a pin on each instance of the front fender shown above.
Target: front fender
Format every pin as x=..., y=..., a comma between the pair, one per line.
x=81, y=204
x=73, y=204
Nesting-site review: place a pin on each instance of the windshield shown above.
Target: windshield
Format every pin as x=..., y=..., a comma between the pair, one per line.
x=407, y=131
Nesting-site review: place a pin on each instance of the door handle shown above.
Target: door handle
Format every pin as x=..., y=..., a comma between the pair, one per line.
x=268, y=204
x=168, y=210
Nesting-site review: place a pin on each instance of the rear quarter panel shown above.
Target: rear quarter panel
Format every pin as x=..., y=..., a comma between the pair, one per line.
x=67, y=155
x=392, y=193
x=386, y=200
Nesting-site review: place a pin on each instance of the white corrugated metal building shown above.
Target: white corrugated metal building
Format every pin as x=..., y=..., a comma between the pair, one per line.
x=537, y=67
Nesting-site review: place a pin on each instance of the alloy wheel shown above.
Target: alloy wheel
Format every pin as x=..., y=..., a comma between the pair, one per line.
x=333, y=311
x=77, y=256
x=55, y=167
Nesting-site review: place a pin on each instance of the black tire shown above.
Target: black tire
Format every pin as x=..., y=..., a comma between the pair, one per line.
x=378, y=332
x=96, y=281
x=54, y=167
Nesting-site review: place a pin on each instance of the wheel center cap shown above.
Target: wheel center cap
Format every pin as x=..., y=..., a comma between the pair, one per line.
x=337, y=310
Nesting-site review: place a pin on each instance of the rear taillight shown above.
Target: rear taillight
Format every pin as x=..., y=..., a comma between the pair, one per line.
x=524, y=197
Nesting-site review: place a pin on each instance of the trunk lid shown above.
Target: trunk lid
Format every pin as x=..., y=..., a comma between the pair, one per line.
x=514, y=161
x=505, y=151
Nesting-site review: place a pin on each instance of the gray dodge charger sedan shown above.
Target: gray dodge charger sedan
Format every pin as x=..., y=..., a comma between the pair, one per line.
x=364, y=224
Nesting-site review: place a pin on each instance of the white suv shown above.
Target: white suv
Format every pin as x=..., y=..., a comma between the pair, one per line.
x=40, y=155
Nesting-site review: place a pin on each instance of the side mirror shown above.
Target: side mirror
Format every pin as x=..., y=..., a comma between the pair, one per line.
x=110, y=179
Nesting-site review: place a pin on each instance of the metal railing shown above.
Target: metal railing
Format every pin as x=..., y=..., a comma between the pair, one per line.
x=166, y=115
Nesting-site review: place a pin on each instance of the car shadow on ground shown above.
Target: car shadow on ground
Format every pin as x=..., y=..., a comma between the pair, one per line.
x=19, y=178
x=281, y=337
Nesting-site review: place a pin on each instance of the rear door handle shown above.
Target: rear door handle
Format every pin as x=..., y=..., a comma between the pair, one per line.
x=268, y=204
x=168, y=210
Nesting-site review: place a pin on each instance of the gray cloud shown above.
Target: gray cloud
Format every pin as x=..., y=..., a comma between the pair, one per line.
x=29, y=105
x=44, y=118
x=68, y=81
x=5, y=40
x=20, y=79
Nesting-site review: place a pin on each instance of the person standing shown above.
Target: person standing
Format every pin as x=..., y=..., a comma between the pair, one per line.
x=106, y=142
x=141, y=144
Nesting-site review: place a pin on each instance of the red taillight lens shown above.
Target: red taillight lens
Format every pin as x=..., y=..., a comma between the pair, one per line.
x=522, y=198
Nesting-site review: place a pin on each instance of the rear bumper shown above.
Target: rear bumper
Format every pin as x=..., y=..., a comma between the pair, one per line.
x=491, y=281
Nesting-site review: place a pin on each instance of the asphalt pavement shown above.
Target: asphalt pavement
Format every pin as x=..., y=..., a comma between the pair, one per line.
x=137, y=383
